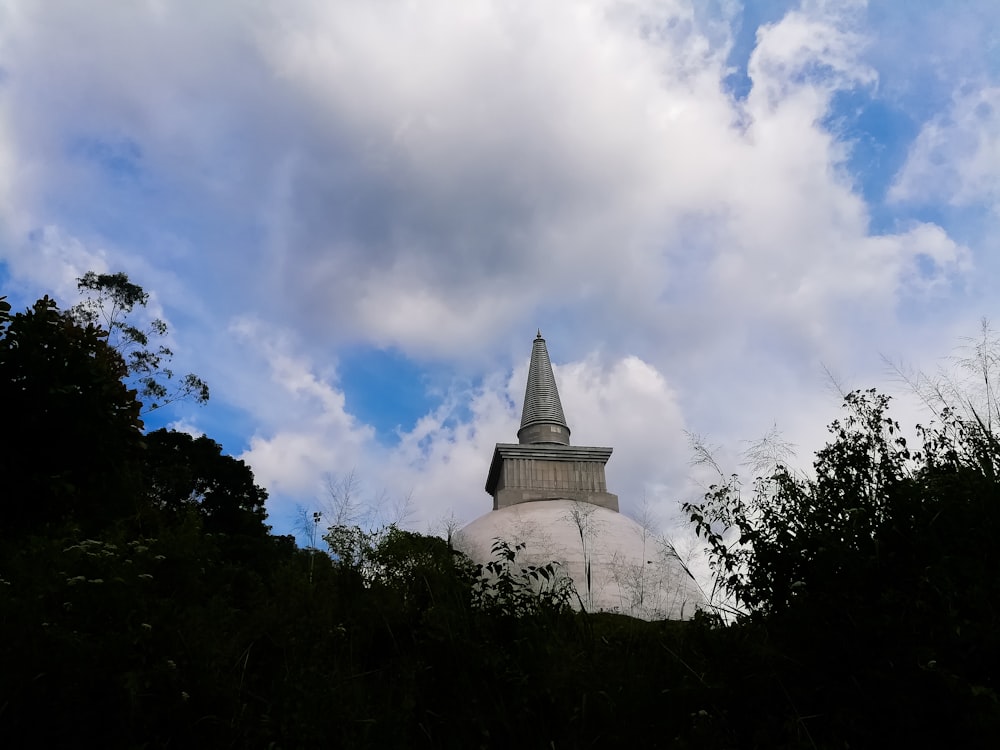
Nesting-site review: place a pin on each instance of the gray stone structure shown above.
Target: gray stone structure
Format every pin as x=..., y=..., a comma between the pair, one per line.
x=542, y=465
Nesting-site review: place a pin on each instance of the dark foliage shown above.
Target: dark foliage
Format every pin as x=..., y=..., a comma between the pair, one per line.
x=144, y=604
x=190, y=475
x=874, y=582
x=71, y=427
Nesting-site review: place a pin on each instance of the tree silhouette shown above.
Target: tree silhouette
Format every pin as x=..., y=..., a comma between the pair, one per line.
x=111, y=299
x=72, y=426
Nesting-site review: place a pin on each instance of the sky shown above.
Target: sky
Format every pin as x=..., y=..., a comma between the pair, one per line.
x=354, y=215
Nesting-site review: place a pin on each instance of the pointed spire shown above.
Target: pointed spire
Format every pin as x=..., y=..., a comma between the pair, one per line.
x=542, y=420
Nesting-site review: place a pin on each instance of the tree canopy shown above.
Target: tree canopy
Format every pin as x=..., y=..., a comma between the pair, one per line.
x=111, y=299
x=185, y=473
x=72, y=426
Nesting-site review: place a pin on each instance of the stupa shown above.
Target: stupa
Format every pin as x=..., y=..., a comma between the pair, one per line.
x=552, y=497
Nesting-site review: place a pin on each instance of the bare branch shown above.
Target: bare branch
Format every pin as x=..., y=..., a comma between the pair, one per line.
x=834, y=383
x=703, y=454
x=766, y=454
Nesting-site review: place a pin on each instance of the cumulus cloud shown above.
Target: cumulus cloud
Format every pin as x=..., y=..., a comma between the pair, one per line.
x=498, y=152
x=303, y=427
x=476, y=162
x=807, y=55
x=432, y=173
x=956, y=156
x=441, y=178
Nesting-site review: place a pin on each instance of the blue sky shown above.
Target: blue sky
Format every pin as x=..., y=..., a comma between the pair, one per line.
x=354, y=216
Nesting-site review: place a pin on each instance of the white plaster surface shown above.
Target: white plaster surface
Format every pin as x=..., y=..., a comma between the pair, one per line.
x=631, y=572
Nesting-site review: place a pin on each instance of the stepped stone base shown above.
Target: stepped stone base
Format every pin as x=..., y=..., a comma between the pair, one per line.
x=528, y=473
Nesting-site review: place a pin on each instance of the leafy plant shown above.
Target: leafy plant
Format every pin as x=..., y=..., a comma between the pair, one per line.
x=505, y=589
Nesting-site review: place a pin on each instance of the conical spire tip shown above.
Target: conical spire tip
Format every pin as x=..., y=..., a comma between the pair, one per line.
x=542, y=419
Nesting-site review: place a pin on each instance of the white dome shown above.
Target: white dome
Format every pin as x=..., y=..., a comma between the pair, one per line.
x=630, y=571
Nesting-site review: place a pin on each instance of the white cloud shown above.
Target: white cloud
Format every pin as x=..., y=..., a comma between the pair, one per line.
x=501, y=154
x=808, y=55
x=627, y=404
x=53, y=260
x=431, y=173
x=443, y=177
x=956, y=156
x=187, y=427
x=303, y=429
x=501, y=150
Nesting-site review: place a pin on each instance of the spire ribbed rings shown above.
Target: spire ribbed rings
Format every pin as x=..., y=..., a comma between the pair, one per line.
x=541, y=399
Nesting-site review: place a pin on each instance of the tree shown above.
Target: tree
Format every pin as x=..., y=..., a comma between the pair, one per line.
x=110, y=301
x=876, y=576
x=73, y=428
x=795, y=534
x=186, y=474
